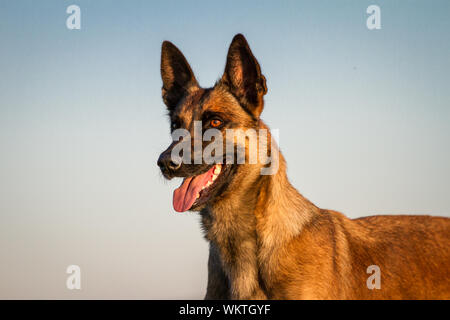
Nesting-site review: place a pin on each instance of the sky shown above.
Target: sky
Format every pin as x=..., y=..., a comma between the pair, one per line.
x=363, y=118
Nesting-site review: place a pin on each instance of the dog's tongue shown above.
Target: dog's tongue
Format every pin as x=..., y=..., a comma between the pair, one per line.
x=186, y=194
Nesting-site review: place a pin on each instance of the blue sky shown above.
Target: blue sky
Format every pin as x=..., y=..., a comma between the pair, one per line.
x=363, y=118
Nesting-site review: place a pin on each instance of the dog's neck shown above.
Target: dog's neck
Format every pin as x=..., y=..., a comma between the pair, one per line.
x=251, y=221
x=281, y=208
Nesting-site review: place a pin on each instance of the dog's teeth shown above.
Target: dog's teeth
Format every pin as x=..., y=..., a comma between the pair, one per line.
x=217, y=169
x=198, y=196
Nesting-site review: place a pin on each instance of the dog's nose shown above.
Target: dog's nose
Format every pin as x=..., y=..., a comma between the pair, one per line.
x=166, y=163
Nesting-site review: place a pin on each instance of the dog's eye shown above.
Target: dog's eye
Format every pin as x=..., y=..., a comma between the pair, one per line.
x=215, y=123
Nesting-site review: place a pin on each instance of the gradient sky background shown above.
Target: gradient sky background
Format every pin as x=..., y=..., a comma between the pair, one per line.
x=363, y=118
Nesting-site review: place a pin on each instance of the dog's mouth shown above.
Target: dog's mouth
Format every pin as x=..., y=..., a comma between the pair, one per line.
x=197, y=190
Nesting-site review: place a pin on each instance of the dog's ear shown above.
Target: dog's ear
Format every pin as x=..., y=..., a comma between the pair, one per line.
x=243, y=76
x=176, y=74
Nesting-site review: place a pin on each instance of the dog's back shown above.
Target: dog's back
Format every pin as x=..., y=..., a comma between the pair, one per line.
x=410, y=254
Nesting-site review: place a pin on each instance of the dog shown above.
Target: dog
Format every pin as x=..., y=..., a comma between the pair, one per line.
x=267, y=241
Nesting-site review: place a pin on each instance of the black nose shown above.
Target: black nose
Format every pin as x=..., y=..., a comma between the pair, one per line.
x=167, y=164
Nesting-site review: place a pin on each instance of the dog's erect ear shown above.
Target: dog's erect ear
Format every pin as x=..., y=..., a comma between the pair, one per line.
x=243, y=76
x=176, y=74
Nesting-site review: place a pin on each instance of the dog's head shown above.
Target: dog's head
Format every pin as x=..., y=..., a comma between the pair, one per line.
x=235, y=102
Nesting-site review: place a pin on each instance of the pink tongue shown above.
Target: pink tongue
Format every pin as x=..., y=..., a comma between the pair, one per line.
x=186, y=194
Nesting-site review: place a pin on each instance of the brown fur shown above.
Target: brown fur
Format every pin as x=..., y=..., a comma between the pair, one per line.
x=267, y=241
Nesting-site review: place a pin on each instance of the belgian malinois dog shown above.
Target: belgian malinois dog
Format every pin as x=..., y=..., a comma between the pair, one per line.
x=266, y=240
